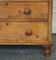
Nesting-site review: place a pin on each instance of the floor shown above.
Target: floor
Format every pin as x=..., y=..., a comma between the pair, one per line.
x=26, y=52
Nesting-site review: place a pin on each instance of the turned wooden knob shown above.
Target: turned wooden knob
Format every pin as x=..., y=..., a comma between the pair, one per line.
x=27, y=11
x=28, y=33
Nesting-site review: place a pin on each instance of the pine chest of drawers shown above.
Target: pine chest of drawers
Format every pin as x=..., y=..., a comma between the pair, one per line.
x=26, y=22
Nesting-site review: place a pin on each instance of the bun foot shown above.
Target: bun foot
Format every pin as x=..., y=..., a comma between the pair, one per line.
x=47, y=50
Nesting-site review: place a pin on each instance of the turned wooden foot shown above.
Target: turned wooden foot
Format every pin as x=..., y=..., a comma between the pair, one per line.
x=47, y=50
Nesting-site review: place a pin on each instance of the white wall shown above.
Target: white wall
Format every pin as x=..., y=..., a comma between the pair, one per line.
x=54, y=17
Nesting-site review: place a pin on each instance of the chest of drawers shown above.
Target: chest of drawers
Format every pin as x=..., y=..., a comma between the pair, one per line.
x=26, y=22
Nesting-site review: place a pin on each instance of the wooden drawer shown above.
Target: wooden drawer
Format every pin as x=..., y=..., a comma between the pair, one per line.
x=24, y=11
x=23, y=32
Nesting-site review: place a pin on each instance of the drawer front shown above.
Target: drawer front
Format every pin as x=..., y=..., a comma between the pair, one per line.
x=19, y=32
x=24, y=11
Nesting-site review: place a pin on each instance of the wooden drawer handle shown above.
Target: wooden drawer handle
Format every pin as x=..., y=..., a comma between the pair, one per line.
x=28, y=33
x=27, y=11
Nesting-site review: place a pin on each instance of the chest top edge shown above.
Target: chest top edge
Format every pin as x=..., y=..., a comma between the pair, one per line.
x=26, y=0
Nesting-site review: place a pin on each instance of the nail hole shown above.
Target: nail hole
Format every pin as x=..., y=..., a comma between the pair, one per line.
x=7, y=24
x=19, y=11
x=6, y=3
x=37, y=36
